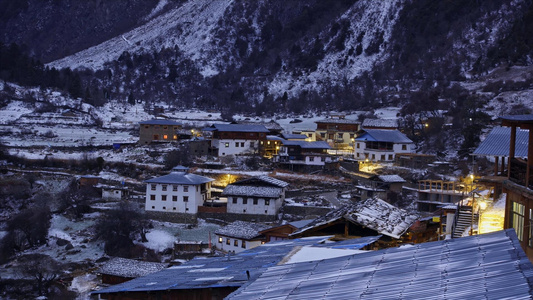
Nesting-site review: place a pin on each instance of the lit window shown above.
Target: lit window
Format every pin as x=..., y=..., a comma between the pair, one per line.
x=267, y=202
x=517, y=213
x=175, y=137
x=243, y=244
x=165, y=137
x=236, y=243
x=220, y=239
x=227, y=145
x=163, y=197
x=227, y=241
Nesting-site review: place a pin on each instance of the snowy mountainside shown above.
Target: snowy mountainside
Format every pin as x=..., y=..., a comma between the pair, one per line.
x=188, y=27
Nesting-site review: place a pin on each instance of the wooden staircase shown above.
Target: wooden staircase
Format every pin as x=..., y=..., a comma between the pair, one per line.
x=463, y=220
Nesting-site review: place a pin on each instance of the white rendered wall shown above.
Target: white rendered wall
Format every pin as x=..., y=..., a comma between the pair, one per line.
x=195, y=198
x=253, y=209
x=232, y=147
x=231, y=247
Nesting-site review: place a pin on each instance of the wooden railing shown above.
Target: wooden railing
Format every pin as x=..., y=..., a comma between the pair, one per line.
x=519, y=172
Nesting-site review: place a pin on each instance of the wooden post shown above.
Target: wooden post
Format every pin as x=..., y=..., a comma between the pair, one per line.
x=511, y=149
x=496, y=165
x=529, y=157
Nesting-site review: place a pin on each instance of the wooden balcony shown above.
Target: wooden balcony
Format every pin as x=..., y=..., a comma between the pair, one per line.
x=518, y=172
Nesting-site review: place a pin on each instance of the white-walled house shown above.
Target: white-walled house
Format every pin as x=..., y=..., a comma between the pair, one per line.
x=232, y=139
x=304, y=153
x=239, y=236
x=177, y=192
x=260, y=195
x=381, y=145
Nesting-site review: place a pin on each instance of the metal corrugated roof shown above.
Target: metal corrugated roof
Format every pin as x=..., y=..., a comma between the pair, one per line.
x=488, y=266
x=294, y=136
x=307, y=145
x=240, y=128
x=518, y=118
x=214, y=271
x=383, y=135
x=160, y=122
x=180, y=178
x=498, y=140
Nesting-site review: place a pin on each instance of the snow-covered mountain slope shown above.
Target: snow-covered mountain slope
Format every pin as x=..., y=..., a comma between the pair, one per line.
x=189, y=27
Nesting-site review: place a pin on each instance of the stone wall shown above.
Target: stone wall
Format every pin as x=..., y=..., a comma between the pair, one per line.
x=172, y=217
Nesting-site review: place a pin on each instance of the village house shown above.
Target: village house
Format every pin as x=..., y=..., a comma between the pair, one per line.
x=158, y=130
x=282, y=232
x=271, y=146
x=177, y=192
x=309, y=133
x=371, y=217
x=118, y=270
x=235, y=139
x=381, y=145
x=301, y=155
x=338, y=131
x=519, y=183
x=239, y=236
x=257, y=196
x=380, y=186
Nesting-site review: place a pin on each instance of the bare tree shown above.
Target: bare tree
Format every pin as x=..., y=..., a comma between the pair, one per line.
x=40, y=268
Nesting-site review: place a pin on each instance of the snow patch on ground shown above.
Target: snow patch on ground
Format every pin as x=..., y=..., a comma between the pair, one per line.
x=159, y=240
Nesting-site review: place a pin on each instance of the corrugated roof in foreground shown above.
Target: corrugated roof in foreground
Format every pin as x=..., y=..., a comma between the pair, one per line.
x=488, y=266
x=214, y=272
x=498, y=140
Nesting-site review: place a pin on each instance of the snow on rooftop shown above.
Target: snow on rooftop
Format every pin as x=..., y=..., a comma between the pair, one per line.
x=130, y=268
x=372, y=213
x=252, y=191
x=310, y=253
x=242, y=229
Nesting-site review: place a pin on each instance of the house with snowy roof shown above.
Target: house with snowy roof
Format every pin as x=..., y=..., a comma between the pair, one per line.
x=118, y=269
x=259, y=197
x=237, y=139
x=338, y=131
x=158, y=130
x=381, y=145
x=177, y=192
x=366, y=218
x=239, y=236
x=281, y=232
x=298, y=155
